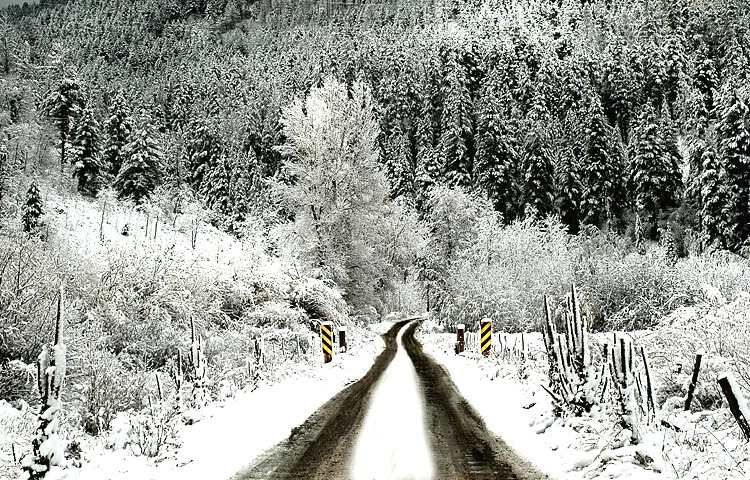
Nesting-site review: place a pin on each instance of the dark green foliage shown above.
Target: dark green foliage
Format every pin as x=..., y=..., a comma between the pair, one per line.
x=497, y=159
x=601, y=172
x=538, y=190
x=33, y=210
x=85, y=153
x=63, y=103
x=654, y=170
x=729, y=175
x=457, y=138
x=117, y=129
x=141, y=167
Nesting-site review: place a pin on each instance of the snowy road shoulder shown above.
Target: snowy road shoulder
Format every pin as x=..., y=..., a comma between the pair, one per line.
x=237, y=430
x=520, y=413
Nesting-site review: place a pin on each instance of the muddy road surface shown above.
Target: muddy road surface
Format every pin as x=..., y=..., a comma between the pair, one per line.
x=462, y=447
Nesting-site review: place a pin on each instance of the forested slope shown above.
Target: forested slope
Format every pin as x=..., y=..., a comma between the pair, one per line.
x=592, y=111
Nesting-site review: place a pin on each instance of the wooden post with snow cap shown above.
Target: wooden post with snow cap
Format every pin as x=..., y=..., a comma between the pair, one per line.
x=460, y=340
x=737, y=404
x=485, y=336
x=693, y=380
x=327, y=341
x=342, y=339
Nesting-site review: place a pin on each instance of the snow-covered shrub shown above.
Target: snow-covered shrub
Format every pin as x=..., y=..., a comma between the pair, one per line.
x=319, y=300
x=154, y=428
x=29, y=288
x=627, y=290
x=278, y=314
x=16, y=381
x=104, y=385
x=505, y=273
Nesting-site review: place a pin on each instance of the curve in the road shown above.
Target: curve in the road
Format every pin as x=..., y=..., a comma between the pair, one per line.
x=462, y=447
x=322, y=446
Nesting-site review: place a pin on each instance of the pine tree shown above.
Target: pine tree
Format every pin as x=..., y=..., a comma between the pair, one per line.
x=457, y=126
x=85, y=153
x=62, y=104
x=400, y=166
x=732, y=228
x=538, y=196
x=203, y=151
x=568, y=189
x=33, y=210
x=654, y=170
x=713, y=196
x=141, y=167
x=217, y=184
x=497, y=158
x=601, y=172
x=117, y=128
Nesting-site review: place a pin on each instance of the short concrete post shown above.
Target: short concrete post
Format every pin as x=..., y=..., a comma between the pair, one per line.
x=342, y=339
x=460, y=342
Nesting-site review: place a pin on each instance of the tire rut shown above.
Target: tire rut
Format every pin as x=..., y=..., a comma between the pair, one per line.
x=321, y=448
x=463, y=447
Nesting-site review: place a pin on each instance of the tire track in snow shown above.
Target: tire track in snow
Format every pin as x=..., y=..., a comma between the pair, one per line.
x=322, y=446
x=462, y=445
x=328, y=444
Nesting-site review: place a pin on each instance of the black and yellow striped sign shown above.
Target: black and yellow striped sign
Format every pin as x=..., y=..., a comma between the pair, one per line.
x=327, y=341
x=486, y=329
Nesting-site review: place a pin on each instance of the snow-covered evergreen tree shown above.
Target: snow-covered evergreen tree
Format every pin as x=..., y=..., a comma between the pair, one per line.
x=654, y=172
x=732, y=228
x=62, y=104
x=32, y=210
x=85, y=152
x=117, y=128
x=456, y=137
x=141, y=167
x=538, y=187
x=601, y=171
x=497, y=158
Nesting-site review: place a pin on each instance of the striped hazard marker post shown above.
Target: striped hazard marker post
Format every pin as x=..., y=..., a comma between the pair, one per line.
x=486, y=335
x=327, y=341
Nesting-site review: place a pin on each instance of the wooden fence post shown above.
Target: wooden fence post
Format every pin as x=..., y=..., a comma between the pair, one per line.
x=737, y=404
x=342, y=340
x=693, y=380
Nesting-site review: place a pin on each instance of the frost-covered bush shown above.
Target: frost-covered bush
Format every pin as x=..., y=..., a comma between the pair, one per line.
x=721, y=331
x=104, y=385
x=154, y=428
x=16, y=381
x=506, y=272
x=631, y=291
x=28, y=275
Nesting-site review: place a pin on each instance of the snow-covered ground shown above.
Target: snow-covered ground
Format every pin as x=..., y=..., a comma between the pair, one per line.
x=228, y=436
x=506, y=392
x=393, y=442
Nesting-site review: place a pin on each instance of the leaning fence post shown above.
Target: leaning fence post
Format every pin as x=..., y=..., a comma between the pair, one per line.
x=737, y=404
x=486, y=336
x=460, y=342
x=693, y=380
x=327, y=341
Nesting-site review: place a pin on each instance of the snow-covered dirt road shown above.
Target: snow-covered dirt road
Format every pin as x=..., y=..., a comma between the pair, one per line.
x=403, y=419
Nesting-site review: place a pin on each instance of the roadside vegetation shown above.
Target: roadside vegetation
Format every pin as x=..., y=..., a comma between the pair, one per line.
x=224, y=175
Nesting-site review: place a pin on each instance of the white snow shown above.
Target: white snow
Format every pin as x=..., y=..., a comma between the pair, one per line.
x=234, y=432
x=393, y=442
